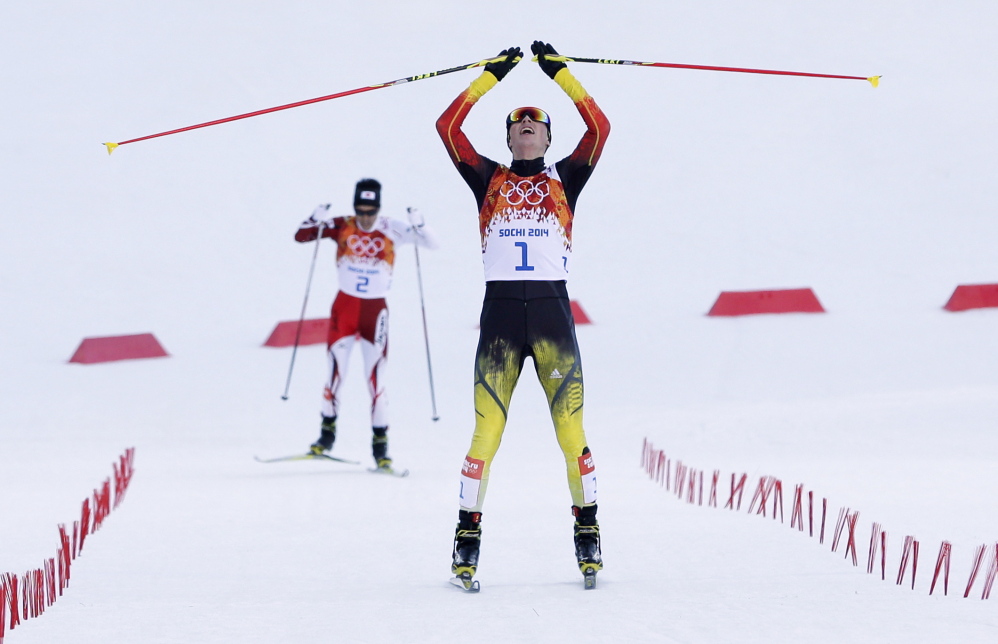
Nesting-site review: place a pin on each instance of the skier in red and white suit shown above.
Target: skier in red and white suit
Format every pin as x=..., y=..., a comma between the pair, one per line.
x=365, y=257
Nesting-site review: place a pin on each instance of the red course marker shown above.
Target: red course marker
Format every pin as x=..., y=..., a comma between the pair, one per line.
x=118, y=347
x=973, y=296
x=734, y=303
x=312, y=332
x=579, y=315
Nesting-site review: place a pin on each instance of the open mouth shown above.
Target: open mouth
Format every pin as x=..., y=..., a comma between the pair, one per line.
x=527, y=130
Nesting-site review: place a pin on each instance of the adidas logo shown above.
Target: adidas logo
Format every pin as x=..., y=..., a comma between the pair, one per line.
x=555, y=375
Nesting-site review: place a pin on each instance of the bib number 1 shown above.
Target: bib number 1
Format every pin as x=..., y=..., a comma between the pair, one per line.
x=524, y=266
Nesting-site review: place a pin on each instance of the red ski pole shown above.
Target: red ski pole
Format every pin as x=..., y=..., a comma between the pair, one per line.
x=873, y=80
x=368, y=88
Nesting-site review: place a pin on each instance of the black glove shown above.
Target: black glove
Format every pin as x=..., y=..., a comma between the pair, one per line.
x=549, y=67
x=500, y=68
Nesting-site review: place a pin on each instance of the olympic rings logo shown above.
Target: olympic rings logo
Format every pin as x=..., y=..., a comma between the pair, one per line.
x=524, y=192
x=365, y=246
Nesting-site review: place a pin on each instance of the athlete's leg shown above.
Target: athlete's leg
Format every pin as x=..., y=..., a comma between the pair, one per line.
x=551, y=336
x=343, y=322
x=374, y=347
x=338, y=358
x=498, y=362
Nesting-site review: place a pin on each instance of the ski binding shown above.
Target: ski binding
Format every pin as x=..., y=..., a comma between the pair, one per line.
x=466, y=583
x=389, y=471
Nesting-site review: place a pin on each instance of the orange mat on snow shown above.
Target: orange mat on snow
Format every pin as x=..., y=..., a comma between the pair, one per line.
x=796, y=300
x=118, y=347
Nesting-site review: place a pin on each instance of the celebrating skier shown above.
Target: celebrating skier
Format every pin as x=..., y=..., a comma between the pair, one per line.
x=365, y=256
x=525, y=220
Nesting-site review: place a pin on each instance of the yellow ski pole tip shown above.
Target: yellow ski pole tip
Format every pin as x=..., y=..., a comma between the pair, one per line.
x=874, y=80
x=110, y=147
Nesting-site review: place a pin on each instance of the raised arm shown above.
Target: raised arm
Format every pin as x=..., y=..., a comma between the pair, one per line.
x=576, y=168
x=309, y=228
x=590, y=147
x=476, y=169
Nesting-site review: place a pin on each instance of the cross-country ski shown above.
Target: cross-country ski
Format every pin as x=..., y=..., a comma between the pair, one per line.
x=307, y=456
x=389, y=471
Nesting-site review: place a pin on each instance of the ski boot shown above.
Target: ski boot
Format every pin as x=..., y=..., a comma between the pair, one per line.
x=379, y=448
x=326, y=437
x=587, y=549
x=467, y=539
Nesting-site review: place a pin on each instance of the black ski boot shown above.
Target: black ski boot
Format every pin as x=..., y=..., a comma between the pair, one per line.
x=326, y=438
x=587, y=549
x=467, y=539
x=379, y=448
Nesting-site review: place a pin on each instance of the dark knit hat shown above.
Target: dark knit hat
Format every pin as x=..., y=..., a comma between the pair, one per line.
x=368, y=193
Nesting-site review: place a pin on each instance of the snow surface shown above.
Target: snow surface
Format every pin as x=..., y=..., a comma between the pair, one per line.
x=882, y=201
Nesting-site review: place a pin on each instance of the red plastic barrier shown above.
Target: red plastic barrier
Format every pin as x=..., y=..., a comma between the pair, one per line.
x=40, y=588
x=973, y=296
x=312, y=332
x=798, y=300
x=118, y=347
x=689, y=486
x=579, y=315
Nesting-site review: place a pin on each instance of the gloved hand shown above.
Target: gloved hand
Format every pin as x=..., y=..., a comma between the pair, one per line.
x=415, y=217
x=549, y=67
x=500, y=68
x=319, y=215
